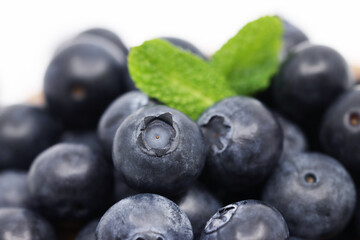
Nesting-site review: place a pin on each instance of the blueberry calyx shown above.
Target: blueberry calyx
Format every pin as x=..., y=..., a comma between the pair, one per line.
x=352, y=120
x=310, y=178
x=217, y=130
x=221, y=217
x=78, y=92
x=158, y=135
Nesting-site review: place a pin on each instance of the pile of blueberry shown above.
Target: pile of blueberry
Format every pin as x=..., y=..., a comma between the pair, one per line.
x=101, y=160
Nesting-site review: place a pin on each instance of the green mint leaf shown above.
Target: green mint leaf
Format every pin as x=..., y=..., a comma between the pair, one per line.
x=175, y=77
x=251, y=57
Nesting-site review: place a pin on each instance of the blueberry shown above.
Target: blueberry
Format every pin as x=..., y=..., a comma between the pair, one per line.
x=244, y=142
x=292, y=37
x=340, y=129
x=159, y=149
x=314, y=193
x=14, y=190
x=20, y=223
x=309, y=80
x=102, y=33
x=88, y=232
x=88, y=138
x=121, y=189
x=83, y=78
x=294, y=138
x=199, y=205
x=112, y=37
x=70, y=182
x=116, y=113
x=249, y=219
x=25, y=131
x=144, y=217
x=185, y=45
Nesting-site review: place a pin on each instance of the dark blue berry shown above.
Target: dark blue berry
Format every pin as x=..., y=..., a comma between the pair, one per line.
x=84, y=77
x=159, y=149
x=88, y=232
x=199, y=205
x=112, y=37
x=294, y=138
x=88, y=138
x=244, y=142
x=144, y=217
x=25, y=131
x=309, y=80
x=250, y=219
x=116, y=113
x=102, y=33
x=70, y=182
x=340, y=130
x=20, y=223
x=314, y=193
x=14, y=189
x=291, y=38
x=121, y=189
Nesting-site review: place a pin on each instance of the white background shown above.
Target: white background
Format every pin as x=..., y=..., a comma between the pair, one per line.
x=30, y=30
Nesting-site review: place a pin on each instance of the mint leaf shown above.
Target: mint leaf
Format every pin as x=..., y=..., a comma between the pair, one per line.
x=175, y=77
x=250, y=58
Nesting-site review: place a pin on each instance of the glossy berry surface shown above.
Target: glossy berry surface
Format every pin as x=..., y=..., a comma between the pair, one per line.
x=292, y=37
x=340, y=130
x=14, y=189
x=116, y=113
x=83, y=78
x=309, y=80
x=25, y=131
x=20, y=223
x=102, y=33
x=244, y=142
x=185, y=45
x=199, y=205
x=70, y=182
x=249, y=219
x=144, y=217
x=159, y=149
x=88, y=232
x=314, y=193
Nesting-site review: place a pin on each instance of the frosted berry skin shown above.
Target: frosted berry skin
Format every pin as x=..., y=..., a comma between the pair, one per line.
x=14, y=189
x=20, y=223
x=199, y=205
x=144, y=217
x=116, y=113
x=249, y=219
x=70, y=182
x=159, y=149
x=25, y=131
x=340, y=130
x=83, y=78
x=244, y=142
x=309, y=80
x=314, y=193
